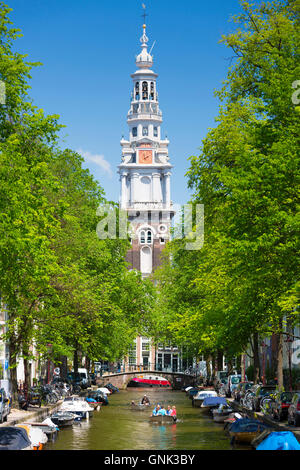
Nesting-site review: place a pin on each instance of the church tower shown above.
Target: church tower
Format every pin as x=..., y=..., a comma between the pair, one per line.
x=145, y=174
x=145, y=170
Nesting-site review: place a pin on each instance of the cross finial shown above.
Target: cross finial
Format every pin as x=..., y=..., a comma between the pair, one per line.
x=144, y=14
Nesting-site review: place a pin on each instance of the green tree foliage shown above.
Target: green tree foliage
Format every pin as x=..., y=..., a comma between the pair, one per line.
x=60, y=284
x=245, y=278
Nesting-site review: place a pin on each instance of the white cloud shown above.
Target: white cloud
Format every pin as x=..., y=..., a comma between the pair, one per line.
x=97, y=159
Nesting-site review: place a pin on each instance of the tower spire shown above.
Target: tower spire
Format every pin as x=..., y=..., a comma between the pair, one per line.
x=144, y=14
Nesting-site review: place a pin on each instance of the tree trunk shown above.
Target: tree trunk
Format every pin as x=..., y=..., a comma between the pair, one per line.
x=27, y=373
x=220, y=360
x=280, y=361
x=255, y=358
x=75, y=361
x=13, y=370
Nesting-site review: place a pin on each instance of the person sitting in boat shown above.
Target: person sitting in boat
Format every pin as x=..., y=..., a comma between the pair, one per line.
x=145, y=400
x=156, y=410
x=173, y=411
x=162, y=411
x=169, y=410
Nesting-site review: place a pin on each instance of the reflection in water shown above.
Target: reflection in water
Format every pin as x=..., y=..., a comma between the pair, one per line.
x=118, y=427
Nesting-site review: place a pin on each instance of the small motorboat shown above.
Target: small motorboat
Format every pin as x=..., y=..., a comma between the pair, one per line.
x=221, y=413
x=104, y=390
x=64, y=418
x=213, y=402
x=283, y=440
x=37, y=437
x=139, y=406
x=93, y=403
x=199, y=398
x=245, y=430
x=163, y=419
x=48, y=427
x=78, y=406
x=13, y=438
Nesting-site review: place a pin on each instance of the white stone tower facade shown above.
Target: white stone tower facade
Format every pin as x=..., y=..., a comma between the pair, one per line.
x=145, y=174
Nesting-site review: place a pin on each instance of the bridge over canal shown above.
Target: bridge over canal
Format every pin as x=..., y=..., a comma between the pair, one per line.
x=122, y=379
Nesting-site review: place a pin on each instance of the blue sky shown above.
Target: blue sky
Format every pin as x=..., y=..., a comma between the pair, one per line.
x=88, y=50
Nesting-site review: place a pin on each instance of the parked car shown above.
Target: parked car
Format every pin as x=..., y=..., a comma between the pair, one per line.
x=257, y=393
x=294, y=410
x=4, y=406
x=240, y=390
x=282, y=402
x=233, y=381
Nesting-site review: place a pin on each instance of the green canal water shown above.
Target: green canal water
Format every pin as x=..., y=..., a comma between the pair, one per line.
x=117, y=427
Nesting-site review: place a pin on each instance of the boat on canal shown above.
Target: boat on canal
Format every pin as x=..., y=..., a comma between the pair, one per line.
x=201, y=395
x=64, y=418
x=163, y=419
x=221, y=413
x=149, y=381
x=139, y=406
x=14, y=438
x=78, y=406
x=245, y=430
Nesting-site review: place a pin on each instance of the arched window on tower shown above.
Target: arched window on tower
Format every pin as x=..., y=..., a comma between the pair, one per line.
x=137, y=90
x=142, y=237
x=146, y=237
x=145, y=90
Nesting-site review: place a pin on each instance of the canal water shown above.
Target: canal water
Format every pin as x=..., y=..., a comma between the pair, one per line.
x=117, y=427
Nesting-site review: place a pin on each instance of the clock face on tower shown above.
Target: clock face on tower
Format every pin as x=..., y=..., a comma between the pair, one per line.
x=145, y=156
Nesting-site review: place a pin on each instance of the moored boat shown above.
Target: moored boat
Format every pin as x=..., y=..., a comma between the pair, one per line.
x=221, y=413
x=149, y=381
x=245, y=430
x=37, y=437
x=201, y=395
x=77, y=406
x=63, y=418
x=13, y=438
x=213, y=402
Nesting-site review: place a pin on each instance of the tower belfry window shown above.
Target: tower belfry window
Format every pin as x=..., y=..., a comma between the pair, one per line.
x=137, y=90
x=145, y=130
x=145, y=90
x=151, y=91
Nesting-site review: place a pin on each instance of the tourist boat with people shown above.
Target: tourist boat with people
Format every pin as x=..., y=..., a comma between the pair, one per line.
x=163, y=419
x=147, y=380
